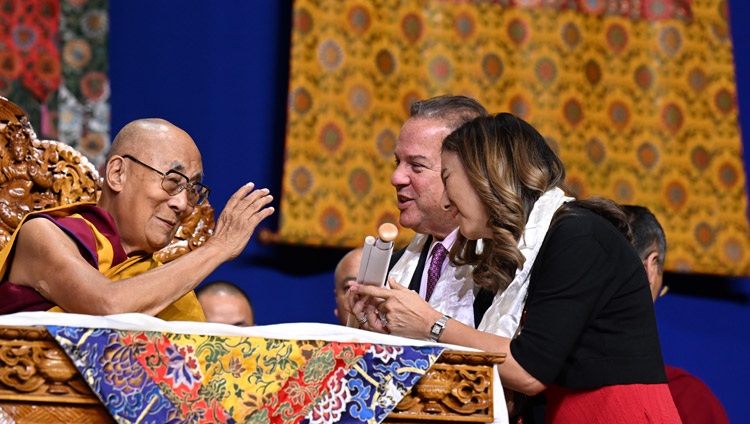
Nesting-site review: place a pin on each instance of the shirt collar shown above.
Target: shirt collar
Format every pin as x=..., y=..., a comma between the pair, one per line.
x=447, y=242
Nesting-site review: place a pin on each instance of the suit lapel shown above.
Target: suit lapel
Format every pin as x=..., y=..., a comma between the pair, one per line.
x=416, y=279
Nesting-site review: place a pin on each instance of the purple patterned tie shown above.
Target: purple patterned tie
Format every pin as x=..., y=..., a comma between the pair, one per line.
x=436, y=265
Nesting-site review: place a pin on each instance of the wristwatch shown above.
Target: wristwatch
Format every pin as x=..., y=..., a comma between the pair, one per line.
x=438, y=327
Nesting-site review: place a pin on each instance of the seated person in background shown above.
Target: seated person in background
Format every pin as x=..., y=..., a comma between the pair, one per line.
x=588, y=336
x=225, y=303
x=695, y=401
x=346, y=271
x=98, y=258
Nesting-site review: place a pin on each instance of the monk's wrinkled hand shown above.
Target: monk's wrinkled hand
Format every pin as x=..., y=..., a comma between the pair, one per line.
x=243, y=212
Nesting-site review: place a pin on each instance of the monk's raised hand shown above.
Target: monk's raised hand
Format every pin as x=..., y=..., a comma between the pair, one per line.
x=243, y=212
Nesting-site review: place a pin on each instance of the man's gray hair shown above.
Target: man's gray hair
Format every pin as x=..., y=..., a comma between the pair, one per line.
x=453, y=110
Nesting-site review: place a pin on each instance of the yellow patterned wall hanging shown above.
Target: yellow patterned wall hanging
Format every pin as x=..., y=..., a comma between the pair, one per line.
x=637, y=96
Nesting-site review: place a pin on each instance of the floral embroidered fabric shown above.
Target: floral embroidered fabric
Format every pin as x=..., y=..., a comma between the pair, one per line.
x=167, y=377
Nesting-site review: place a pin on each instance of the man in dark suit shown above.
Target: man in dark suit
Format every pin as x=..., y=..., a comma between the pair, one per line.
x=423, y=265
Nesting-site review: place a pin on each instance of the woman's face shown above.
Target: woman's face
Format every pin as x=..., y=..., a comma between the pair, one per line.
x=461, y=197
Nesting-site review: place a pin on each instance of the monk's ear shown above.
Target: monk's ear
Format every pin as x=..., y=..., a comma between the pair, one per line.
x=114, y=174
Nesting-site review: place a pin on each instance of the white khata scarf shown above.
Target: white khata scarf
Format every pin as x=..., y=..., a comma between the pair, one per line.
x=503, y=316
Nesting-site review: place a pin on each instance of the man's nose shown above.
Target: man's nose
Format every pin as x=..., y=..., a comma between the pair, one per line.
x=399, y=177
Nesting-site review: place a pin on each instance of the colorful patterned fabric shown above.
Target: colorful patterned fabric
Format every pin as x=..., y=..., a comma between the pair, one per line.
x=53, y=64
x=143, y=376
x=637, y=96
x=30, y=55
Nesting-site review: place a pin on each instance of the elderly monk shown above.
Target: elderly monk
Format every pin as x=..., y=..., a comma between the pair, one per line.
x=98, y=258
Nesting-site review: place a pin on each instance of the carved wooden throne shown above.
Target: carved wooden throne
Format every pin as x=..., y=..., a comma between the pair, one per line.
x=37, y=174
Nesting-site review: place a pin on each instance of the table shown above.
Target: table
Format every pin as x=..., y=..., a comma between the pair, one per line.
x=39, y=383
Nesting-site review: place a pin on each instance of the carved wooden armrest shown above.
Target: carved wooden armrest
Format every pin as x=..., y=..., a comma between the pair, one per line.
x=34, y=367
x=457, y=388
x=38, y=383
x=193, y=233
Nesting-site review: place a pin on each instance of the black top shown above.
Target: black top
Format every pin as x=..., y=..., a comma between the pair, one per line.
x=590, y=318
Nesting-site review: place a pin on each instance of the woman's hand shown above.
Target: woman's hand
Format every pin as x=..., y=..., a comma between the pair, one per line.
x=397, y=310
x=364, y=309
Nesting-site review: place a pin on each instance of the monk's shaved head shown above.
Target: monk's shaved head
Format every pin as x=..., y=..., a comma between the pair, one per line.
x=143, y=136
x=346, y=271
x=221, y=287
x=226, y=303
x=142, y=154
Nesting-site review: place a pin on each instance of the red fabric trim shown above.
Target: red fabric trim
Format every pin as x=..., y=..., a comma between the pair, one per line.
x=21, y=299
x=79, y=230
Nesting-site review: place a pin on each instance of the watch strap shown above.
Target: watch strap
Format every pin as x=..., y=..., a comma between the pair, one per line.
x=438, y=327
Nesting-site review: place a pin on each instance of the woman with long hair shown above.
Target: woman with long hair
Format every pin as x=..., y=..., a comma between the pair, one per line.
x=572, y=306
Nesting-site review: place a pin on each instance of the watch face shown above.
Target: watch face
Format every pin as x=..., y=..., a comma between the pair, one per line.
x=435, y=329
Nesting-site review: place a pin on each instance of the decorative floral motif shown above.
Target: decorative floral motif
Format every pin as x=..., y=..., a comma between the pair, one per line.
x=179, y=369
x=53, y=64
x=332, y=406
x=412, y=27
x=385, y=353
x=492, y=66
x=330, y=219
x=111, y=366
x=651, y=79
x=360, y=182
x=359, y=19
x=119, y=363
x=30, y=38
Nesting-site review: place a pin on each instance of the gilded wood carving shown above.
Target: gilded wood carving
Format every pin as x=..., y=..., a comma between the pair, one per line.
x=34, y=367
x=458, y=388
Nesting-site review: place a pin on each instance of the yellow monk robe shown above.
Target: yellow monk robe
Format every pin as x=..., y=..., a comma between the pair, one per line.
x=94, y=231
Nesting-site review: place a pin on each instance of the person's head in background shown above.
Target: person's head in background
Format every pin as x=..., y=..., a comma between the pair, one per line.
x=650, y=243
x=225, y=303
x=417, y=174
x=346, y=272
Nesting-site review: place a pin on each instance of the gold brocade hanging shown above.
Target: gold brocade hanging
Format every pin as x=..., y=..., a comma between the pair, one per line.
x=637, y=96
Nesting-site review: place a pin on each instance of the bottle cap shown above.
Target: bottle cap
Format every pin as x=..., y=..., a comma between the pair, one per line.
x=387, y=232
